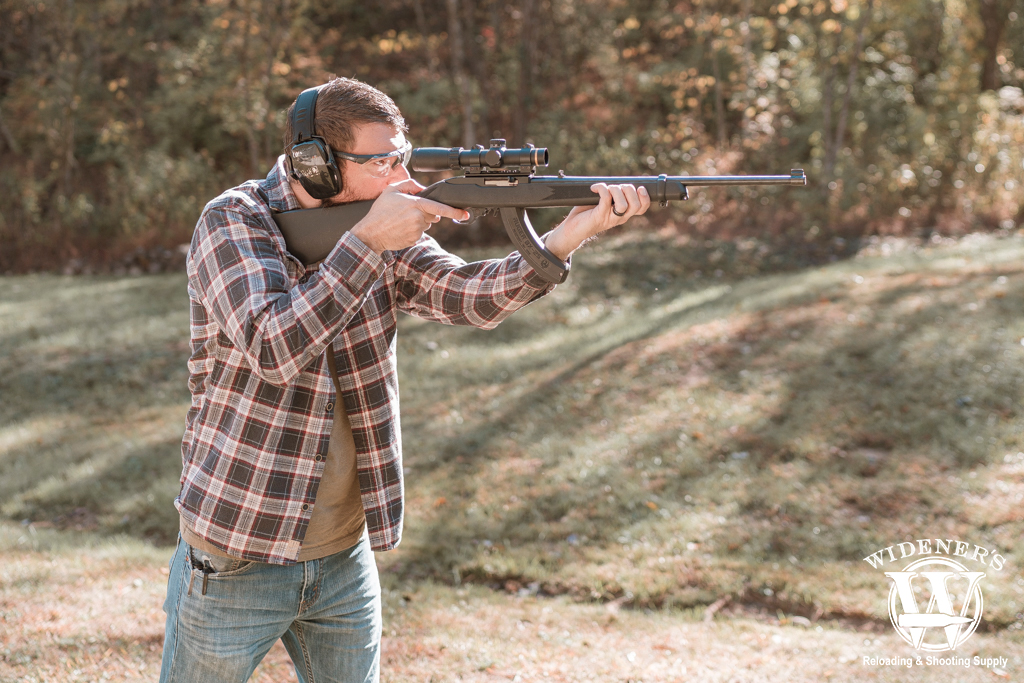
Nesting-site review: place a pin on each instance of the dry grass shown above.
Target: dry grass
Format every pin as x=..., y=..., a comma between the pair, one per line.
x=645, y=438
x=84, y=608
x=657, y=436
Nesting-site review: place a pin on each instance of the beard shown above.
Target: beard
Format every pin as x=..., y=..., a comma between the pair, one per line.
x=340, y=199
x=347, y=195
x=343, y=197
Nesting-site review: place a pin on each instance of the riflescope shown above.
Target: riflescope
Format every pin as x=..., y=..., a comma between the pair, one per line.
x=495, y=158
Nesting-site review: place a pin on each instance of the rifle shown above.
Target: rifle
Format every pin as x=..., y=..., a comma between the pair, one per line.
x=502, y=180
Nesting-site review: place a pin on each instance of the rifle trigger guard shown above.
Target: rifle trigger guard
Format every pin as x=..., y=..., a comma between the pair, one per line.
x=522, y=234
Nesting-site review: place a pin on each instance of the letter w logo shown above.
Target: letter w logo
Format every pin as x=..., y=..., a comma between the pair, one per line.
x=939, y=612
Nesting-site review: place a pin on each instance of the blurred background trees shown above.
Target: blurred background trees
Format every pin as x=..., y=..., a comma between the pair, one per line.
x=119, y=119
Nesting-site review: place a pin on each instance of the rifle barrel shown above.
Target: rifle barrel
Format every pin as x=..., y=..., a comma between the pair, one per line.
x=795, y=177
x=486, y=191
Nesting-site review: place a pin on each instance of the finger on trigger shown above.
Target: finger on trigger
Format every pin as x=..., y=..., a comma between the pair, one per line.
x=443, y=210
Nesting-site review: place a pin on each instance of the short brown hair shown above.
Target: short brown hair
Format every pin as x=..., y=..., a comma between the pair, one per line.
x=342, y=103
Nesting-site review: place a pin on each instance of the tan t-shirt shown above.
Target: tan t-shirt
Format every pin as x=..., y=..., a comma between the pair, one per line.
x=337, y=521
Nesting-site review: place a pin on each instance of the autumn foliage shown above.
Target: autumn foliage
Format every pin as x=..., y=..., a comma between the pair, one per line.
x=120, y=119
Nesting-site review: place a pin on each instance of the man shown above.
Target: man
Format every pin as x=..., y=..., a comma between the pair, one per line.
x=292, y=469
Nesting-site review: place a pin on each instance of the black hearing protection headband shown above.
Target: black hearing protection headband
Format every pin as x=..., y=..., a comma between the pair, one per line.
x=305, y=111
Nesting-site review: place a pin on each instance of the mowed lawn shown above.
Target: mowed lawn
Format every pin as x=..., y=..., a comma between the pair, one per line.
x=669, y=469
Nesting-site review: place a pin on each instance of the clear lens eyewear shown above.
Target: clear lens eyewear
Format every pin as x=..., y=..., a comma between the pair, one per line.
x=380, y=165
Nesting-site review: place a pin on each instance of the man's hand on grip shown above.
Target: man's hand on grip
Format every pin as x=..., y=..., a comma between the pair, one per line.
x=398, y=218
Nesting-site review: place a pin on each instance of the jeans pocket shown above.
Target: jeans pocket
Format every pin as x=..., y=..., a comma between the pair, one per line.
x=222, y=566
x=235, y=567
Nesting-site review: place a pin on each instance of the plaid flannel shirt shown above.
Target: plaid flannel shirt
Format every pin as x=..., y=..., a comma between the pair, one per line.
x=262, y=396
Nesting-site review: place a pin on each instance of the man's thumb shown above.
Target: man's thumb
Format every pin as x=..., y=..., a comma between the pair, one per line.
x=407, y=186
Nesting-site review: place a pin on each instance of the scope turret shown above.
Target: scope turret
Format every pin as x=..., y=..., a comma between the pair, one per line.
x=497, y=158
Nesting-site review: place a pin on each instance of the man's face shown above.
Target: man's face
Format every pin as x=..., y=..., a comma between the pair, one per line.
x=359, y=182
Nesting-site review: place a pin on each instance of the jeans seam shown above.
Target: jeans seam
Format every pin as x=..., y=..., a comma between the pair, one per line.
x=303, y=602
x=311, y=590
x=321, y=570
x=177, y=615
x=305, y=652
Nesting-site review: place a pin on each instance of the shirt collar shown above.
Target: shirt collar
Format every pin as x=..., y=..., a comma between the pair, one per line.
x=279, y=189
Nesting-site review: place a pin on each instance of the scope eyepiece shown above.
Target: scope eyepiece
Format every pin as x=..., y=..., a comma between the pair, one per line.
x=496, y=158
x=429, y=159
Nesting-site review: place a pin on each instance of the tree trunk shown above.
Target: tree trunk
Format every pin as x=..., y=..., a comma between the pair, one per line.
x=719, y=101
x=462, y=83
x=834, y=140
x=70, y=76
x=479, y=65
x=527, y=55
x=277, y=34
x=246, y=60
x=851, y=77
x=8, y=137
x=421, y=25
x=993, y=20
x=827, y=89
x=749, y=64
x=711, y=52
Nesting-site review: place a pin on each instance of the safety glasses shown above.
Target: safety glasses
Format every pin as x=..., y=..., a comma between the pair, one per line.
x=379, y=165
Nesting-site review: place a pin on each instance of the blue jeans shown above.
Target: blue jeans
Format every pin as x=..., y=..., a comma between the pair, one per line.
x=327, y=612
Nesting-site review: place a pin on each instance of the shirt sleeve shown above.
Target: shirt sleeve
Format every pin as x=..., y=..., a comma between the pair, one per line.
x=239, y=274
x=436, y=285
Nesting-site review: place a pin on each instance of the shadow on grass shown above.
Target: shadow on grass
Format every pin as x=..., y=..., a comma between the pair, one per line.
x=640, y=432
x=794, y=433
x=93, y=382
x=97, y=481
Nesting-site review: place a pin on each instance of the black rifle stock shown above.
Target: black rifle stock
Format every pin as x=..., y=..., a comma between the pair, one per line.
x=501, y=180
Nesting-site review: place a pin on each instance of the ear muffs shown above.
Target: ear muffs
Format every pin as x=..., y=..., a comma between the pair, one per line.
x=311, y=160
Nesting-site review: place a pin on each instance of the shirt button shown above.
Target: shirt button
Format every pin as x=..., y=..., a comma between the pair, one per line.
x=329, y=406
x=319, y=457
x=305, y=506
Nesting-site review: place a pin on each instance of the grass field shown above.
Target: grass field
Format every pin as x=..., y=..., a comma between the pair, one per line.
x=682, y=426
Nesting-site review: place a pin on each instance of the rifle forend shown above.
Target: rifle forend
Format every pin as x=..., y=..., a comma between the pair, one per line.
x=502, y=180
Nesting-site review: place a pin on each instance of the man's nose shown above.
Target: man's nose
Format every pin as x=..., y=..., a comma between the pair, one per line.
x=399, y=174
